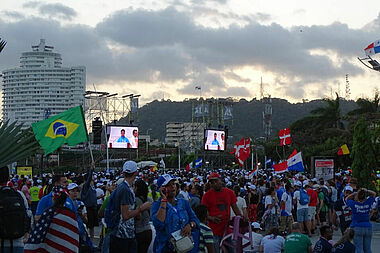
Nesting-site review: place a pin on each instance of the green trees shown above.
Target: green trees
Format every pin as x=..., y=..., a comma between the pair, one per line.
x=363, y=156
x=367, y=105
x=15, y=144
x=329, y=116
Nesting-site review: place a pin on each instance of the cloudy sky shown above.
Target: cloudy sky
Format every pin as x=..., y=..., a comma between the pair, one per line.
x=164, y=48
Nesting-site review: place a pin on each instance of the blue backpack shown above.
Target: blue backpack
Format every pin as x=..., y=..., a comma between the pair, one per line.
x=111, y=215
x=304, y=197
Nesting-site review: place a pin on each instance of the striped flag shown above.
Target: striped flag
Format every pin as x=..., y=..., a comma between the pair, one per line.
x=56, y=231
x=254, y=171
x=198, y=87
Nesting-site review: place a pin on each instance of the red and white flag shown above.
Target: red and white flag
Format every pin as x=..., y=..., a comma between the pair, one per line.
x=242, y=150
x=284, y=135
x=254, y=171
x=56, y=231
x=281, y=167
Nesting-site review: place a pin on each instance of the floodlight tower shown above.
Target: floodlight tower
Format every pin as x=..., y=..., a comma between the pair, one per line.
x=348, y=90
x=267, y=117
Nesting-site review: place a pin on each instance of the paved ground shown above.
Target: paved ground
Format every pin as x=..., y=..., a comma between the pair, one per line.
x=315, y=238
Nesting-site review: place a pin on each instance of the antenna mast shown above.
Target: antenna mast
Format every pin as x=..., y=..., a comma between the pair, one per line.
x=348, y=91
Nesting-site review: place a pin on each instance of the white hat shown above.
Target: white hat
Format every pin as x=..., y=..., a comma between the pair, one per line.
x=253, y=187
x=256, y=225
x=72, y=186
x=306, y=182
x=348, y=188
x=298, y=183
x=130, y=167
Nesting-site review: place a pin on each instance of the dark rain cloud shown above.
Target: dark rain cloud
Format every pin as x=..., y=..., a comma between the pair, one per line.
x=168, y=46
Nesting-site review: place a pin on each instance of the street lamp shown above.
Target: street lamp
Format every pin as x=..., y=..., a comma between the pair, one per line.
x=147, y=143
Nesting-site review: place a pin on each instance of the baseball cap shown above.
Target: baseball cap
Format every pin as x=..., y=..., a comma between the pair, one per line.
x=256, y=225
x=298, y=183
x=348, y=188
x=164, y=180
x=130, y=167
x=213, y=175
x=72, y=186
x=253, y=187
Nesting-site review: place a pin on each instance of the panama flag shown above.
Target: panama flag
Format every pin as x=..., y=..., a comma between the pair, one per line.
x=284, y=135
x=372, y=48
x=197, y=87
x=253, y=172
x=281, y=167
x=295, y=163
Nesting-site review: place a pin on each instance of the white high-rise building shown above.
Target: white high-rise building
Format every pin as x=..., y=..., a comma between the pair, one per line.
x=41, y=87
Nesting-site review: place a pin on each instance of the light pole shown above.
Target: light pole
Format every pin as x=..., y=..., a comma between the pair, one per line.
x=147, y=143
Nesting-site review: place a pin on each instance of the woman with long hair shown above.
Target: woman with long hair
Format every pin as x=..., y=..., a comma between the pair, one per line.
x=142, y=226
x=271, y=214
x=272, y=242
x=345, y=244
x=361, y=205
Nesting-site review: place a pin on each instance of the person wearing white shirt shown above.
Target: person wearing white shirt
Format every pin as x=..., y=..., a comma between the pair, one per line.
x=271, y=206
x=256, y=239
x=286, y=218
x=241, y=204
x=273, y=242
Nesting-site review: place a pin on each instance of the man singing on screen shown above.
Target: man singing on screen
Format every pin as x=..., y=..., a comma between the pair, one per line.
x=122, y=137
x=215, y=141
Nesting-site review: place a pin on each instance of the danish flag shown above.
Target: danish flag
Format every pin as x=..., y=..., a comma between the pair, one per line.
x=242, y=150
x=285, y=137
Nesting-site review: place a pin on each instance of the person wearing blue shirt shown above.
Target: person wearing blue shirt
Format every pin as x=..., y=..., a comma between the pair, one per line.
x=215, y=141
x=47, y=201
x=122, y=137
x=361, y=204
x=170, y=215
x=323, y=245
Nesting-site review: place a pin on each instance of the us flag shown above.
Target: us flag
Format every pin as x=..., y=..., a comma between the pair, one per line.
x=56, y=231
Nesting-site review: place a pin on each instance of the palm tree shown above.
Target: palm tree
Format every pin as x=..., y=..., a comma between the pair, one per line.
x=367, y=105
x=15, y=144
x=330, y=115
x=2, y=44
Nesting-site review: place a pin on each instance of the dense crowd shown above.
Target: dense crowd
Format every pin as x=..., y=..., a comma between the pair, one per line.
x=140, y=210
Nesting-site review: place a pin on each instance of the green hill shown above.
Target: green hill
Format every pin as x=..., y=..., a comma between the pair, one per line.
x=247, y=115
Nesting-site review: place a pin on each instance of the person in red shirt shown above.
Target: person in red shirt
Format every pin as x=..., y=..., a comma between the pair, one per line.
x=313, y=196
x=219, y=201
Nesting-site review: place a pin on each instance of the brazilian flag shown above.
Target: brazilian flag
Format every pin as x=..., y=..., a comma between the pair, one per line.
x=67, y=127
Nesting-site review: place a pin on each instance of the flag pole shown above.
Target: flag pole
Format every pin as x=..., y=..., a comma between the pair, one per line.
x=265, y=166
x=92, y=156
x=252, y=158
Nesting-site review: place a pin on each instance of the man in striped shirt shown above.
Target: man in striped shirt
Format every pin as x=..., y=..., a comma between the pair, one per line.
x=206, y=240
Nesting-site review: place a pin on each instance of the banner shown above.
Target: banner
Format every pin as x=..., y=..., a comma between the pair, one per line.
x=134, y=105
x=227, y=113
x=26, y=171
x=324, y=168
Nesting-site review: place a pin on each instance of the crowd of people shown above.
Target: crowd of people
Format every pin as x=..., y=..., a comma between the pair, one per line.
x=138, y=210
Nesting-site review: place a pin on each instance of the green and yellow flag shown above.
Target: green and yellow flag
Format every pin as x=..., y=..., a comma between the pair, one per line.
x=67, y=127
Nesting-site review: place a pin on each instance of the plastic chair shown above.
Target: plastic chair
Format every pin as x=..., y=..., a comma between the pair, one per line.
x=239, y=228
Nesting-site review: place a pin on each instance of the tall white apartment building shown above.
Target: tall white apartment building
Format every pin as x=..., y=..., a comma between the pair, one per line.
x=41, y=87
